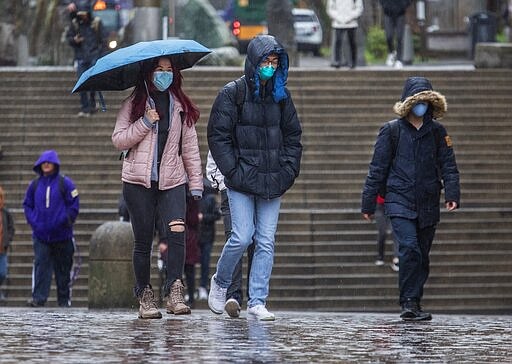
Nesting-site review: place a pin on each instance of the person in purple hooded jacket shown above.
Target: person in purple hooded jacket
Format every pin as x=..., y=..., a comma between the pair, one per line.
x=51, y=207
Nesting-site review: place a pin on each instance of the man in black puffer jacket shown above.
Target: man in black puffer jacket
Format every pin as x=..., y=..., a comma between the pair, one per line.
x=254, y=137
x=412, y=156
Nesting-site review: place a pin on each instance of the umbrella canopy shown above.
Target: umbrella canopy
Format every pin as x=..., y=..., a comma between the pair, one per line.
x=119, y=70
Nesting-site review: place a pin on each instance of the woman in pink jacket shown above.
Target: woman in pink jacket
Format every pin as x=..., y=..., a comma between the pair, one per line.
x=155, y=129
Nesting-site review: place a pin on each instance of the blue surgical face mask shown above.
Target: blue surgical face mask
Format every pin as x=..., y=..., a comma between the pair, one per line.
x=266, y=72
x=162, y=80
x=420, y=109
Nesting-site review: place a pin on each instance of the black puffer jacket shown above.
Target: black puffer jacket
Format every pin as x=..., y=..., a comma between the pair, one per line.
x=260, y=152
x=413, y=174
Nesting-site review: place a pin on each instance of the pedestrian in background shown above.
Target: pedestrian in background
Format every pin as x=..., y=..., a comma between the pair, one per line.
x=234, y=293
x=86, y=36
x=394, y=26
x=156, y=128
x=383, y=231
x=344, y=15
x=412, y=159
x=209, y=213
x=7, y=231
x=260, y=159
x=51, y=207
x=192, y=251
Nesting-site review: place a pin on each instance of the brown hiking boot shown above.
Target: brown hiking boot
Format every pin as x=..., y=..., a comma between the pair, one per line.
x=148, y=308
x=175, y=301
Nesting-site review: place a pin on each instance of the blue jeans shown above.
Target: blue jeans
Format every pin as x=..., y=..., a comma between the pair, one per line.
x=414, y=247
x=255, y=218
x=235, y=289
x=49, y=258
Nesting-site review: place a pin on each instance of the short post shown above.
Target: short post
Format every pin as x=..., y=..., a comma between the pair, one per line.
x=110, y=266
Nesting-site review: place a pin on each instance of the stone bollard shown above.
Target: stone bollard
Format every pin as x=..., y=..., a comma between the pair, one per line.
x=110, y=266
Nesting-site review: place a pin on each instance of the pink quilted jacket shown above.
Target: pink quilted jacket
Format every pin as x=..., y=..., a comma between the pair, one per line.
x=140, y=140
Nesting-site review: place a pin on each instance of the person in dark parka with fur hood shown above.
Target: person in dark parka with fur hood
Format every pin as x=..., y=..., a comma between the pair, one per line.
x=254, y=137
x=413, y=158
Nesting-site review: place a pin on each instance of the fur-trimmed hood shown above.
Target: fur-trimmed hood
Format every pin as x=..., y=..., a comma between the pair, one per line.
x=420, y=89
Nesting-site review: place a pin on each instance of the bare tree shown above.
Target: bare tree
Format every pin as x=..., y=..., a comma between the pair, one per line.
x=280, y=25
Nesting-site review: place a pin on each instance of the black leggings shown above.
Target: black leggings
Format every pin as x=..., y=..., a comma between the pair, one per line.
x=145, y=206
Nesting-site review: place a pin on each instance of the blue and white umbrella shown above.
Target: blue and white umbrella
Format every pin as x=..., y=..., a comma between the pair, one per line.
x=120, y=69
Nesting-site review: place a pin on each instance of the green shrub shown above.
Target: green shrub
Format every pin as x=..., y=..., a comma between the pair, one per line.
x=376, y=48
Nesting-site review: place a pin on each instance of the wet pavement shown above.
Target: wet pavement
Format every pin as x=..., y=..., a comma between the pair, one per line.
x=118, y=336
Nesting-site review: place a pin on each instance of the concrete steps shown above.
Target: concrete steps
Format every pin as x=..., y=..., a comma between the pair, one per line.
x=324, y=250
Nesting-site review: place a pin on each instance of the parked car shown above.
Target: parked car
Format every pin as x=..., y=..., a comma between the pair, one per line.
x=308, y=31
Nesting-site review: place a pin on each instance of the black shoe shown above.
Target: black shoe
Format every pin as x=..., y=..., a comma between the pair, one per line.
x=411, y=311
x=32, y=303
x=335, y=65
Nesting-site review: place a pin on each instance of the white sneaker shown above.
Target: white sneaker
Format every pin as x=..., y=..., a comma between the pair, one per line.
x=232, y=307
x=202, y=294
x=379, y=262
x=260, y=312
x=216, y=297
x=398, y=65
x=390, y=60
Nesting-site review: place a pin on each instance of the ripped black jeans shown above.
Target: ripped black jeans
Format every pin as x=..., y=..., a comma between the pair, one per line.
x=149, y=207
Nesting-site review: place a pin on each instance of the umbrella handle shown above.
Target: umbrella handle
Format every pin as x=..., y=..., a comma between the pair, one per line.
x=102, y=102
x=151, y=102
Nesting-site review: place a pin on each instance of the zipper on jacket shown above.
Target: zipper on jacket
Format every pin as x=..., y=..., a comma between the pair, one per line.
x=47, y=197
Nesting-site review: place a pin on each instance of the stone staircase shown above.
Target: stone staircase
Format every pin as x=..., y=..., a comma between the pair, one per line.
x=324, y=251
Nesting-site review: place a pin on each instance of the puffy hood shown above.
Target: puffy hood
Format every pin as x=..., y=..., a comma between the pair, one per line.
x=47, y=156
x=258, y=49
x=420, y=89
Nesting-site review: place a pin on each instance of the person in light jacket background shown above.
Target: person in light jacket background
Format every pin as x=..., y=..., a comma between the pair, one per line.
x=344, y=15
x=155, y=128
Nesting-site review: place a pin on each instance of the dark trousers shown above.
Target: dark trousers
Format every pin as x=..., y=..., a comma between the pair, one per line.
x=414, y=246
x=235, y=289
x=338, y=34
x=87, y=98
x=49, y=258
x=392, y=27
x=143, y=205
x=190, y=277
x=206, y=252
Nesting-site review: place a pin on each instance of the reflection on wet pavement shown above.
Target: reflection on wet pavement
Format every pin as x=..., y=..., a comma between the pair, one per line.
x=100, y=336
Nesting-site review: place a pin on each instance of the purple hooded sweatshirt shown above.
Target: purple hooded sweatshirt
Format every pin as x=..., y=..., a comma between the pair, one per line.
x=50, y=213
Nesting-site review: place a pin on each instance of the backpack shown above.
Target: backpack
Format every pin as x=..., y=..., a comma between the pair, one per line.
x=241, y=89
x=395, y=137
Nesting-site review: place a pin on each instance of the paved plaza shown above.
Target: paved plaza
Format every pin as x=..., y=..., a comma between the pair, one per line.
x=51, y=335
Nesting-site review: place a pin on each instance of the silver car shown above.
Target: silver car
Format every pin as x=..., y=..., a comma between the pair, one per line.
x=308, y=31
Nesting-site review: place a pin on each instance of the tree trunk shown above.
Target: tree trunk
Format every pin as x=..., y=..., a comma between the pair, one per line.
x=280, y=25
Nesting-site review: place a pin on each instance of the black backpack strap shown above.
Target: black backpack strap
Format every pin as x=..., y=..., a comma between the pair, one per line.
x=395, y=135
x=180, y=145
x=62, y=186
x=240, y=87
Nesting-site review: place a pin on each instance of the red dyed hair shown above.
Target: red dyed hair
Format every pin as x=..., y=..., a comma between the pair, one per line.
x=140, y=94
